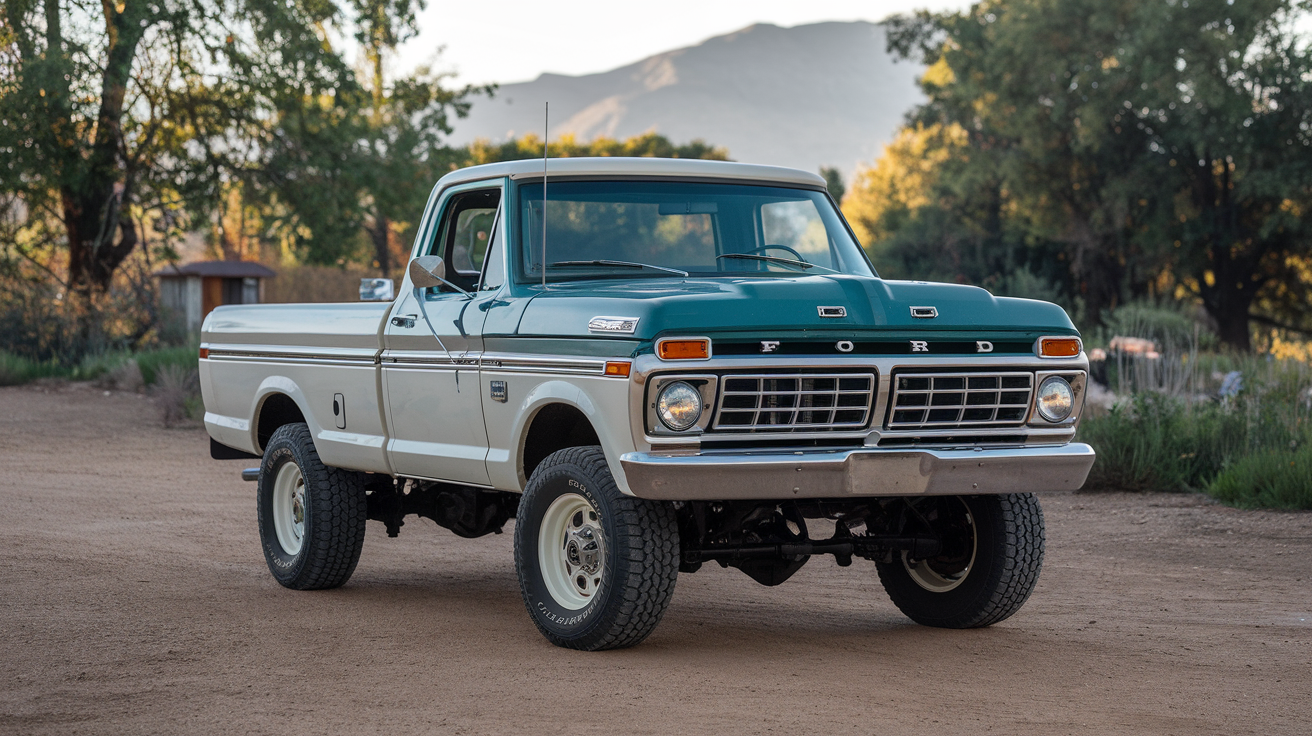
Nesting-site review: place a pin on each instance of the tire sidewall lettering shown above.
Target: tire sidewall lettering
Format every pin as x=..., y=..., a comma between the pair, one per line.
x=286, y=565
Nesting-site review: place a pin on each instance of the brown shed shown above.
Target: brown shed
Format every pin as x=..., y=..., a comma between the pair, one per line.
x=192, y=291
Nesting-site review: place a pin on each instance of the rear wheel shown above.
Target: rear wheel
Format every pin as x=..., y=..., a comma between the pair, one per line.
x=990, y=560
x=596, y=567
x=311, y=516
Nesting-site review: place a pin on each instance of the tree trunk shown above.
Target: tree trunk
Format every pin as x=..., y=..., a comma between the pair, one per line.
x=96, y=205
x=380, y=233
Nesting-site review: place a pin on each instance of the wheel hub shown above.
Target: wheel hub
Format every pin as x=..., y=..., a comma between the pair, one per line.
x=572, y=551
x=289, y=508
x=946, y=571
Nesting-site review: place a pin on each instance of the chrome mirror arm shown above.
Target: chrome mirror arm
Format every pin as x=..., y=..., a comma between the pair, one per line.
x=429, y=271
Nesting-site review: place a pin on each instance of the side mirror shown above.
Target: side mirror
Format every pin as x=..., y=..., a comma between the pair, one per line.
x=427, y=272
x=377, y=290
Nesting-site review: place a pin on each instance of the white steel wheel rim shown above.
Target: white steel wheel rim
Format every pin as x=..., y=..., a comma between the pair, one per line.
x=932, y=580
x=289, y=508
x=572, y=551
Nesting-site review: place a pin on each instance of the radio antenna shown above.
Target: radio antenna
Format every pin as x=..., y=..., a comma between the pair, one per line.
x=546, y=133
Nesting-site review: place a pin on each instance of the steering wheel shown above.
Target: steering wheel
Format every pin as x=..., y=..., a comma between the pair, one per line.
x=795, y=254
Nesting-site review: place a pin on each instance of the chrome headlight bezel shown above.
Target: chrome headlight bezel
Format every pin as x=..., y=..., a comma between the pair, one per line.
x=689, y=402
x=1055, y=412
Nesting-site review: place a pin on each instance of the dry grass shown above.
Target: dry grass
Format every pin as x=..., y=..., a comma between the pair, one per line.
x=176, y=388
x=301, y=284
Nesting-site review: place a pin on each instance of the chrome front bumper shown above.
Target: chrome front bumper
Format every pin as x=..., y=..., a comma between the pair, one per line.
x=861, y=472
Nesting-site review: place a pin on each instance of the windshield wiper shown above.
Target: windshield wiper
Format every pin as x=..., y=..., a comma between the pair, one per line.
x=775, y=259
x=622, y=264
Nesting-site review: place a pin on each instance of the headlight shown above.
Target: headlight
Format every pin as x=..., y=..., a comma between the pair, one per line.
x=679, y=406
x=1056, y=399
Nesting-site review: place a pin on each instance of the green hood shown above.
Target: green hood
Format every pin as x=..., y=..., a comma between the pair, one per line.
x=758, y=308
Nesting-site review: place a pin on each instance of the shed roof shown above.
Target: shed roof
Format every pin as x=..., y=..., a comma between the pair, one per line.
x=635, y=166
x=220, y=269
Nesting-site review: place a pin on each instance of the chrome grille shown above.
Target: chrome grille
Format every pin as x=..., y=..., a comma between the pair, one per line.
x=792, y=402
x=930, y=400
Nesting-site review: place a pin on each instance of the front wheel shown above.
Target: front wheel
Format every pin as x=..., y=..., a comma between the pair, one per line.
x=596, y=567
x=989, y=562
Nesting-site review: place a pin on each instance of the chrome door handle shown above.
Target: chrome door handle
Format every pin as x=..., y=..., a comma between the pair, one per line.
x=405, y=320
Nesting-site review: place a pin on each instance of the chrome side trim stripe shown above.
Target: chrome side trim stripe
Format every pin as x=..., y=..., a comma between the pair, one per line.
x=528, y=363
x=279, y=354
x=412, y=360
x=496, y=362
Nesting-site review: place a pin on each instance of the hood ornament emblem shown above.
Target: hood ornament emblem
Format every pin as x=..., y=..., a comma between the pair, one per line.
x=833, y=312
x=924, y=312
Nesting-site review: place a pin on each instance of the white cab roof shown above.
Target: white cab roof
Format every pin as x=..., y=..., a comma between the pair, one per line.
x=624, y=167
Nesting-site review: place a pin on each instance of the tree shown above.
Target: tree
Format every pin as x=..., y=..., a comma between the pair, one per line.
x=647, y=144
x=123, y=112
x=1153, y=147
x=834, y=182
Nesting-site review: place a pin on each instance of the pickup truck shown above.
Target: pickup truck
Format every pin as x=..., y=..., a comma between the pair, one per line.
x=650, y=365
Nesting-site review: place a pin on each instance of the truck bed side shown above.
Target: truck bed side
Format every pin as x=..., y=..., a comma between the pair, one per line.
x=323, y=358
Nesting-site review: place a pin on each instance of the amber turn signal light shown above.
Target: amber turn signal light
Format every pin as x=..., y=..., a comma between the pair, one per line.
x=684, y=349
x=618, y=369
x=1059, y=347
x=204, y=353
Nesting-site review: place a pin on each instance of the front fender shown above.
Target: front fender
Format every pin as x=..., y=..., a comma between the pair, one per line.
x=603, y=401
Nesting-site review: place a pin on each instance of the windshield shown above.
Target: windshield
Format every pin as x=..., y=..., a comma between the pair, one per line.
x=633, y=229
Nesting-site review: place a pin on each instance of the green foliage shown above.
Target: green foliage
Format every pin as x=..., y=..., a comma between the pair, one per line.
x=1169, y=324
x=1271, y=479
x=647, y=144
x=1158, y=443
x=834, y=182
x=1116, y=150
x=155, y=363
x=16, y=370
x=1164, y=442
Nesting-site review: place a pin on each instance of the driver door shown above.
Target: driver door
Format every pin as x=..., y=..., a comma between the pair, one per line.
x=430, y=375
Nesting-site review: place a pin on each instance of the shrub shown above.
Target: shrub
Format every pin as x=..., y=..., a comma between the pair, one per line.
x=1271, y=479
x=16, y=369
x=1158, y=442
x=1174, y=442
x=153, y=362
x=175, y=390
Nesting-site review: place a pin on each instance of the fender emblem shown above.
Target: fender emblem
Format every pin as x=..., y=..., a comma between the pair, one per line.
x=983, y=346
x=832, y=311
x=769, y=346
x=924, y=312
x=625, y=325
x=919, y=346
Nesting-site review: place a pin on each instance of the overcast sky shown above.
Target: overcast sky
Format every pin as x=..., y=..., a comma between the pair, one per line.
x=516, y=40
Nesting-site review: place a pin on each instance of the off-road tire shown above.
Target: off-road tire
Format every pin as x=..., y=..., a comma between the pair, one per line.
x=1008, y=557
x=641, y=552
x=335, y=514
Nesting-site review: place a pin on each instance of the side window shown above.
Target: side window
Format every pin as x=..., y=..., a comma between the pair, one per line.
x=465, y=233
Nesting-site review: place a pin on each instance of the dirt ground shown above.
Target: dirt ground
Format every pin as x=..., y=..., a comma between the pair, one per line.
x=134, y=599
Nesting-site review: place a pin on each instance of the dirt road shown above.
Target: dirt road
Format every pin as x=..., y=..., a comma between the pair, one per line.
x=134, y=599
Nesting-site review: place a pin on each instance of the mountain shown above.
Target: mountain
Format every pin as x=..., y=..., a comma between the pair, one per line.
x=825, y=94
